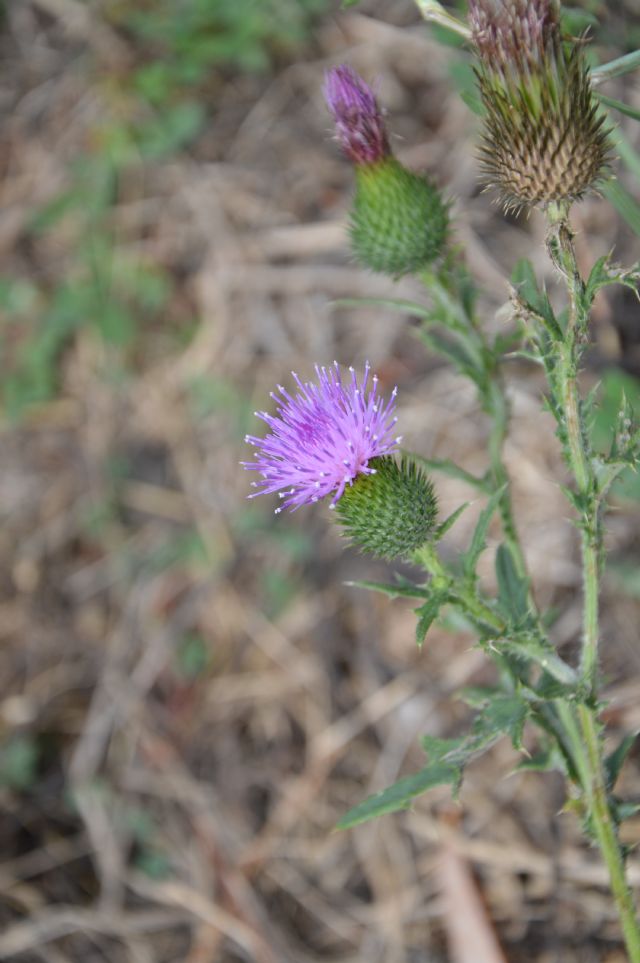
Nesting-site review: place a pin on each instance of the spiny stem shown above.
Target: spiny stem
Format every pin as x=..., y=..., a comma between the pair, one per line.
x=581, y=723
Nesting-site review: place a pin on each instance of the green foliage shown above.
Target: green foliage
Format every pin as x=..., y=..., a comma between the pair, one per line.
x=428, y=613
x=513, y=589
x=147, y=113
x=500, y=714
x=478, y=544
x=187, y=40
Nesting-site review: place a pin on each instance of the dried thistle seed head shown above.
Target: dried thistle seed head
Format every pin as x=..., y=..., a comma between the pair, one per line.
x=544, y=138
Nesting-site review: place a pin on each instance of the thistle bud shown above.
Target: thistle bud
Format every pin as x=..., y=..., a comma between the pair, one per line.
x=544, y=139
x=391, y=511
x=399, y=220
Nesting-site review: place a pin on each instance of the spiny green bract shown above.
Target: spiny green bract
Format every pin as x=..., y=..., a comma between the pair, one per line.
x=391, y=513
x=399, y=220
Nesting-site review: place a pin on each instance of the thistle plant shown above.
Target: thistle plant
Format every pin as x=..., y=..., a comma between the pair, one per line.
x=545, y=143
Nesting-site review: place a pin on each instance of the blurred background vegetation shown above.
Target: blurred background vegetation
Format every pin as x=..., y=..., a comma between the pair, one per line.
x=190, y=696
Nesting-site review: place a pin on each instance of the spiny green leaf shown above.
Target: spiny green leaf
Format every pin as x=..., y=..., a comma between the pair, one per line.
x=615, y=760
x=503, y=714
x=534, y=650
x=619, y=105
x=402, y=589
x=529, y=298
x=479, y=540
x=428, y=613
x=477, y=696
x=603, y=273
x=395, y=304
x=454, y=351
x=400, y=794
x=513, y=590
x=449, y=522
x=547, y=759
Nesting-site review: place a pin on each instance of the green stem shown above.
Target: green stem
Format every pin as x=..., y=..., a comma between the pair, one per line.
x=606, y=834
x=464, y=596
x=581, y=723
x=443, y=290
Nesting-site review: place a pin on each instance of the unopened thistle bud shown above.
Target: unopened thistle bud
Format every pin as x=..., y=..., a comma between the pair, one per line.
x=399, y=220
x=544, y=139
x=391, y=512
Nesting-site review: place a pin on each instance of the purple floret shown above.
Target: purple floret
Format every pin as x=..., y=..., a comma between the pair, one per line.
x=322, y=437
x=358, y=118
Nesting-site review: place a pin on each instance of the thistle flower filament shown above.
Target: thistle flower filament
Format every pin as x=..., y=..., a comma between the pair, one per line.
x=322, y=437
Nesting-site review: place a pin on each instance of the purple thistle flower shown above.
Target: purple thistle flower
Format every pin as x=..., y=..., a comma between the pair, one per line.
x=323, y=437
x=358, y=118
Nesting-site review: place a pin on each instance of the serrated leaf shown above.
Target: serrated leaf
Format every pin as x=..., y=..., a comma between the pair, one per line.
x=615, y=760
x=427, y=614
x=400, y=795
x=402, y=305
x=503, y=714
x=624, y=202
x=619, y=105
x=455, y=352
x=542, y=761
x=449, y=522
x=536, y=651
x=479, y=540
x=603, y=273
x=477, y=696
x=513, y=590
x=402, y=589
x=528, y=296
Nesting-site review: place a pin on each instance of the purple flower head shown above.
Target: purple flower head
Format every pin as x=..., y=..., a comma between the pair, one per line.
x=358, y=118
x=323, y=437
x=514, y=32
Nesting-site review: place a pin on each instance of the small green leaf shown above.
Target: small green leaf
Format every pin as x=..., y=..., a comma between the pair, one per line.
x=513, y=590
x=503, y=714
x=531, y=300
x=479, y=540
x=401, y=305
x=400, y=794
x=547, y=759
x=455, y=351
x=427, y=614
x=449, y=522
x=536, y=651
x=619, y=105
x=615, y=760
x=624, y=202
x=402, y=589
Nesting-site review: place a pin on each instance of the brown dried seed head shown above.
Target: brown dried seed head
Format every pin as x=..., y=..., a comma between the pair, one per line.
x=544, y=139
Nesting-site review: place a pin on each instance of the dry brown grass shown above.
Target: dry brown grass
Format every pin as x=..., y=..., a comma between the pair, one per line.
x=179, y=818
